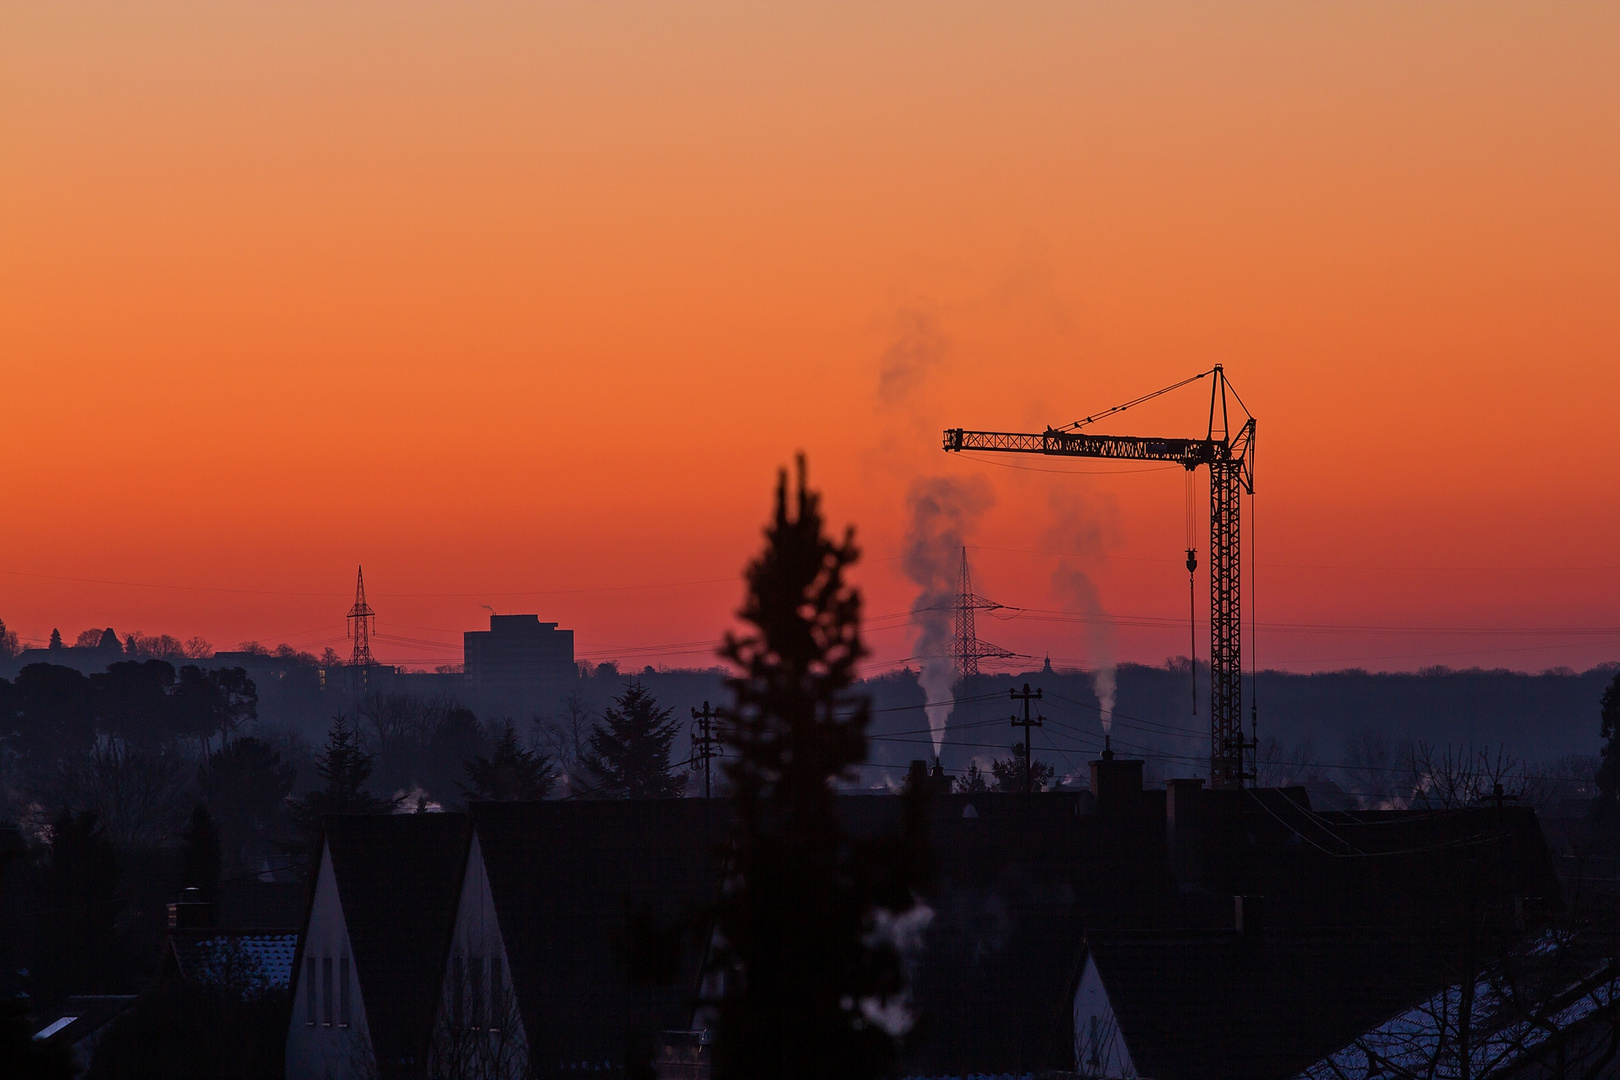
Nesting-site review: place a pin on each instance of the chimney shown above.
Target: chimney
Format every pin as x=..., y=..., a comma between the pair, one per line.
x=1116, y=783
x=919, y=778
x=1184, y=828
x=191, y=911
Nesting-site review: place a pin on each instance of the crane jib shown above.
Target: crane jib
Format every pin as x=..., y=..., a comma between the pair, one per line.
x=1188, y=452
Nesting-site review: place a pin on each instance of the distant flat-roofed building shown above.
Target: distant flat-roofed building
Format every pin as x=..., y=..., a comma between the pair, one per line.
x=518, y=664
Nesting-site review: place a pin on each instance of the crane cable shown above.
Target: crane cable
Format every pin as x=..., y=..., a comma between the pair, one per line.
x=1254, y=639
x=1078, y=424
x=1192, y=597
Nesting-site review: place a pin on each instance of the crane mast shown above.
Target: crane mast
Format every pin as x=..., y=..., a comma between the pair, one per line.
x=1229, y=456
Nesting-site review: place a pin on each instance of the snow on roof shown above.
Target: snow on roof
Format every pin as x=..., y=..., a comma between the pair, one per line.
x=55, y=1026
x=1422, y=1039
x=223, y=957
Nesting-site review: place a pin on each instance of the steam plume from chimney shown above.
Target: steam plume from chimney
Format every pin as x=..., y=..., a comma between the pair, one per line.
x=1080, y=528
x=942, y=512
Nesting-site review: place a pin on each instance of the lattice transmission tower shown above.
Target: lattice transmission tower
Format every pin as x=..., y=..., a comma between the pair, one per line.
x=967, y=650
x=360, y=622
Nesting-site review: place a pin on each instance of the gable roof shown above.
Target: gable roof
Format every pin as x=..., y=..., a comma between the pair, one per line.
x=219, y=955
x=1016, y=882
x=1014, y=887
x=398, y=880
x=1526, y=1012
x=566, y=878
x=1195, y=1004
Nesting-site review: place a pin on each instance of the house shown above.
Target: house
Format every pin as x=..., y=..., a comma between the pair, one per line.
x=520, y=949
x=1299, y=931
x=1551, y=1008
x=369, y=968
x=247, y=958
x=569, y=883
x=1220, y=1003
x=81, y=1021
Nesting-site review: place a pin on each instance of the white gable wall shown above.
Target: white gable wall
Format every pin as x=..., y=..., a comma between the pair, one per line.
x=1099, y=1048
x=479, y=1030
x=320, y=1045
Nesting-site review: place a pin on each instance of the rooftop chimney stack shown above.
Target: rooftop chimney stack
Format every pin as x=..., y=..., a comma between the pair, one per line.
x=1116, y=783
x=919, y=778
x=191, y=911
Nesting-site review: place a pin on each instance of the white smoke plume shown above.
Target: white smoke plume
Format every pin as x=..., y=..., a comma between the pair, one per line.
x=942, y=512
x=1080, y=528
x=918, y=349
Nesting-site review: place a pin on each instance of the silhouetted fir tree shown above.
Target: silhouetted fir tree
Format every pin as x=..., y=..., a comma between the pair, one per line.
x=345, y=767
x=510, y=774
x=813, y=983
x=628, y=752
x=1608, y=771
x=56, y=639
x=1009, y=771
x=200, y=853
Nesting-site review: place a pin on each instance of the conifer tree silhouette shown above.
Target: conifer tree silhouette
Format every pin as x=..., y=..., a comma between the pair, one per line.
x=811, y=920
x=628, y=756
x=345, y=766
x=511, y=774
x=1608, y=771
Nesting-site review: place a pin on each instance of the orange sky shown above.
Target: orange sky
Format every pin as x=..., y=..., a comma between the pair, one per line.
x=521, y=305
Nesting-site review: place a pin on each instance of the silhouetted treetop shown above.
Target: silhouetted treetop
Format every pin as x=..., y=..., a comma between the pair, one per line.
x=246, y=785
x=1608, y=771
x=9, y=644
x=1009, y=772
x=628, y=751
x=808, y=990
x=510, y=774
x=345, y=767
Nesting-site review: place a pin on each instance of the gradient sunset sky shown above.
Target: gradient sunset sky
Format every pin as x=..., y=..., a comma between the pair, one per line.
x=522, y=305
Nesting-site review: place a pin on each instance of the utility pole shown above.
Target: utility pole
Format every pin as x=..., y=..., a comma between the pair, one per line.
x=705, y=739
x=1026, y=696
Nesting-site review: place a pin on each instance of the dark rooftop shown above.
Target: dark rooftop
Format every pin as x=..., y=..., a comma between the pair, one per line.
x=399, y=878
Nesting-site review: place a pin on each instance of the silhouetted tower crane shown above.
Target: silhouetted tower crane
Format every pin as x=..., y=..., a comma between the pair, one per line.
x=360, y=619
x=1229, y=455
